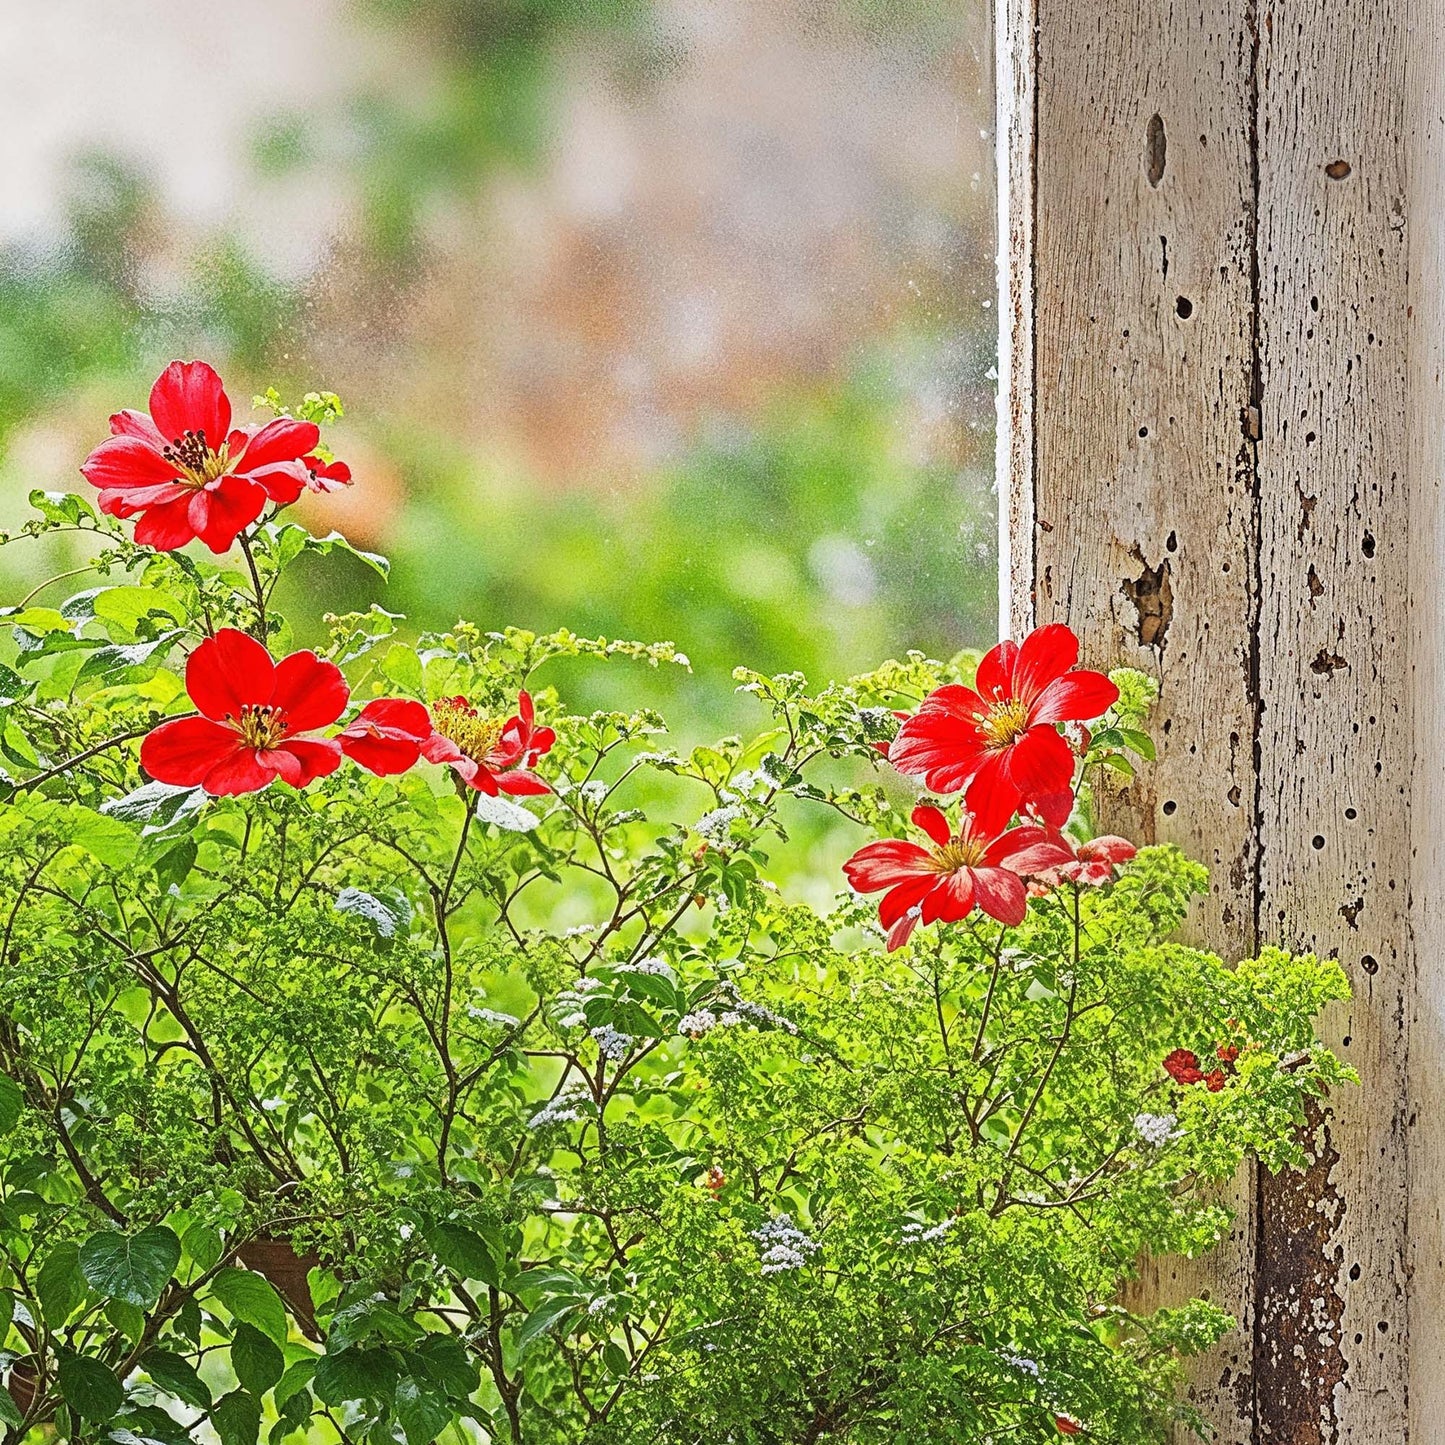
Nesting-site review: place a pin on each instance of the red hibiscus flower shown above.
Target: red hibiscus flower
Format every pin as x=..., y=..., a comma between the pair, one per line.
x=254, y=713
x=1183, y=1067
x=485, y=753
x=324, y=476
x=1093, y=863
x=972, y=869
x=1000, y=738
x=489, y=754
x=186, y=473
x=1215, y=1080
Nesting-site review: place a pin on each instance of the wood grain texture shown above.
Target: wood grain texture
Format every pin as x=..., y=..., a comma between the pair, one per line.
x=1224, y=306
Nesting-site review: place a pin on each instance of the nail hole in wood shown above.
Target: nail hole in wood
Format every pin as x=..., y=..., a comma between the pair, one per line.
x=1156, y=143
x=1183, y=308
x=1337, y=170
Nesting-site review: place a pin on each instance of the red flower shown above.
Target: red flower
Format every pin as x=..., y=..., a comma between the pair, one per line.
x=386, y=736
x=1067, y=1425
x=486, y=753
x=253, y=714
x=324, y=476
x=975, y=868
x=186, y=473
x=1000, y=738
x=1093, y=862
x=1215, y=1080
x=1228, y=1053
x=1183, y=1067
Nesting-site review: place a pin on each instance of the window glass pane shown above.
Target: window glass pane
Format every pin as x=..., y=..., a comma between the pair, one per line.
x=663, y=320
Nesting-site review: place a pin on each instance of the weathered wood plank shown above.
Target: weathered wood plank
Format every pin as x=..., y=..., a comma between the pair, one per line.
x=1224, y=288
x=1132, y=379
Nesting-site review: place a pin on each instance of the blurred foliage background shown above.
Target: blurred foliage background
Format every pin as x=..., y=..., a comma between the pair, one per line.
x=657, y=318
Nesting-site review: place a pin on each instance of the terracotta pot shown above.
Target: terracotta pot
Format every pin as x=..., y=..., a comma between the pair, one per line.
x=278, y=1261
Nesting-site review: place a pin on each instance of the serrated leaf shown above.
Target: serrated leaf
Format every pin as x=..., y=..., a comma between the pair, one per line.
x=421, y=1410
x=353, y=1375
x=177, y=1376
x=202, y=1242
x=157, y=805
x=90, y=1389
x=237, y=1418
x=464, y=1251
x=296, y=1379
x=258, y=1363
x=545, y=1318
x=250, y=1298
x=132, y=1268
x=59, y=1287
x=12, y=1104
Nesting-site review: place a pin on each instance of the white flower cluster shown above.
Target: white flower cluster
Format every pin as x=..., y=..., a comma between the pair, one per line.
x=1023, y=1363
x=914, y=1233
x=492, y=1016
x=643, y=965
x=714, y=827
x=740, y=1008
x=696, y=1024
x=564, y=1109
x=785, y=1246
x=613, y=1044
x=1156, y=1130
x=568, y=1003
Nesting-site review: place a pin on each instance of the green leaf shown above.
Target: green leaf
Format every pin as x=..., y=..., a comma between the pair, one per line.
x=385, y=916
x=134, y=1269
x=177, y=1376
x=237, y=1418
x=464, y=1251
x=61, y=508
x=542, y=1320
x=402, y=666
x=106, y=839
x=127, y=1319
x=90, y=1389
x=12, y=1103
x=59, y=1287
x=353, y=1375
x=446, y=1361
x=421, y=1410
x=117, y=662
x=9, y=1410
x=157, y=805
x=296, y=1379
x=258, y=1363
x=202, y=1243
x=251, y=1299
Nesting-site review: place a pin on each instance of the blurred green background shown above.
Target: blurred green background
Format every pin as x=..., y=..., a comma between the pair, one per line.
x=652, y=319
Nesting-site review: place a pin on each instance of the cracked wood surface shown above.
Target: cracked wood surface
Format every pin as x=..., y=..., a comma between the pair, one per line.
x=1220, y=417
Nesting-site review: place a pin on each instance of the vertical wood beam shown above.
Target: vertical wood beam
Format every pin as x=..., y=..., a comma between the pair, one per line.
x=1220, y=417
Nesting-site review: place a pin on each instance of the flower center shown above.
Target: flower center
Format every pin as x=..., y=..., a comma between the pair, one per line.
x=1006, y=722
x=262, y=727
x=474, y=734
x=955, y=854
x=191, y=454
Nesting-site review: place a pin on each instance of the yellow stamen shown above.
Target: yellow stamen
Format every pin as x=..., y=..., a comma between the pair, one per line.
x=261, y=727
x=474, y=734
x=955, y=854
x=1005, y=723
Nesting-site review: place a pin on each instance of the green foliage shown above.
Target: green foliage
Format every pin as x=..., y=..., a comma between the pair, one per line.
x=368, y=1110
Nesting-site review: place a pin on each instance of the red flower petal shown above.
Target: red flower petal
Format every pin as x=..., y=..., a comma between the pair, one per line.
x=136, y=424
x=1108, y=849
x=312, y=693
x=933, y=823
x=950, y=899
x=908, y=895
x=995, y=677
x=223, y=510
x=188, y=396
x=1046, y=653
x=884, y=864
x=282, y=440
x=242, y=772
x=310, y=758
x=122, y=462
x=992, y=796
x=1001, y=894
x=902, y=931
x=183, y=751
x=283, y=482
x=1041, y=763
x=382, y=753
x=521, y=784
x=165, y=526
x=942, y=749
x=1078, y=697
x=227, y=672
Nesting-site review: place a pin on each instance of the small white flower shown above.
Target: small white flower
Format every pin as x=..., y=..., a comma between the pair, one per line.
x=696, y=1024
x=1023, y=1363
x=492, y=1016
x=785, y=1245
x=1156, y=1130
x=612, y=1043
x=715, y=827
